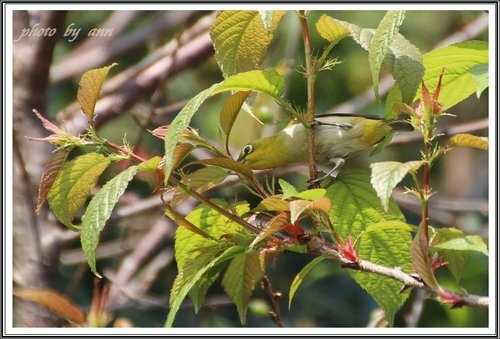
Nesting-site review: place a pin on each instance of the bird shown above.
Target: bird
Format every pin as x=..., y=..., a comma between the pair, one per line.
x=338, y=136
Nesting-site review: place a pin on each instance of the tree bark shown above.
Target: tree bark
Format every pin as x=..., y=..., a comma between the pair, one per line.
x=32, y=57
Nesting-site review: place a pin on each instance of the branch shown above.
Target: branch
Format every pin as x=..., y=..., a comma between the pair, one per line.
x=316, y=246
x=137, y=82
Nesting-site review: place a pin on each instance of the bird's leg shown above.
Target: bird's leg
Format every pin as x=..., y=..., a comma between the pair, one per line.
x=337, y=164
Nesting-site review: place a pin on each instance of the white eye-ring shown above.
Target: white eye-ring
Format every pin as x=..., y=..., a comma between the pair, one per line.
x=247, y=149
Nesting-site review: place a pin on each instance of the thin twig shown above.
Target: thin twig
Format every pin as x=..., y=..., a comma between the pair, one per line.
x=274, y=297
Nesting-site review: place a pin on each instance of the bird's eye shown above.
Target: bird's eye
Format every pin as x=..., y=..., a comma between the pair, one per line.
x=247, y=149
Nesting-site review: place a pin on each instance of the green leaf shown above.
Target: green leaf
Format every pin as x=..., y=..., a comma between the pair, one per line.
x=468, y=140
x=269, y=82
x=49, y=175
x=467, y=243
x=288, y=189
x=230, y=110
x=381, y=43
x=73, y=184
x=229, y=164
x=480, y=75
x=299, y=278
x=403, y=60
x=99, y=211
x=150, y=165
x=267, y=19
x=241, y=39
x=199, y=181
x=90, y=87
x=330, y=29
x=382, y=237
x=312, y=194
x=386, y=175
x=456, y=259
x=191, y=274
x=272, y=203
x=240, y=278
x=385, y=243
x=458, y=61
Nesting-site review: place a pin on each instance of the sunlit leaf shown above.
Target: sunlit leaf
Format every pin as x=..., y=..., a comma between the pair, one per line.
x=99, y=211
x=241, y=39
x=90, y=87
x=73, y=184
x=466, y=243
x=468, y=140
x=230, y=110
x=381, y=43
x=272, y=203
x=386, y=175
x=330, y=29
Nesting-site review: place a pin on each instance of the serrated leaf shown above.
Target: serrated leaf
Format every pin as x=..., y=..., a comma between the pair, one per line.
x=49, y=175
x=199, y=181
x=288, y=189
x=241, y=39
x=229, y=164
x=468, y=140
x=356, y=212
x=269, y=82
x=467, y=243
x=458, y=61
x=331, y=30
x=90, y=87
x=211, y=222
x=240, y=278
x=299, y=278
x=385, y=243
x=403, y=60
x=191, y=274
x=99, y=211
x=386, y=175
x=274, y=225
x=272, y=203
x=381, y=43
x=54, y=301
x=181, y=221
x=73, y=184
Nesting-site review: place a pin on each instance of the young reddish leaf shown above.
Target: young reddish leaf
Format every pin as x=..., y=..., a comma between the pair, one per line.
x=297, y=207
x=274, y=225
x=49, y=175
x=468, y=140
x=55, y=302
x=90, y=87
x=422, y=262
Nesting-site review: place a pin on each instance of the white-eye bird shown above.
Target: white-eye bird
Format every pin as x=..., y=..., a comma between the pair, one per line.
x=337, y=137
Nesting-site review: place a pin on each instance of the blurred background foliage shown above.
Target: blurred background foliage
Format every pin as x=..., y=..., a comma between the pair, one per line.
x=328, y=297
